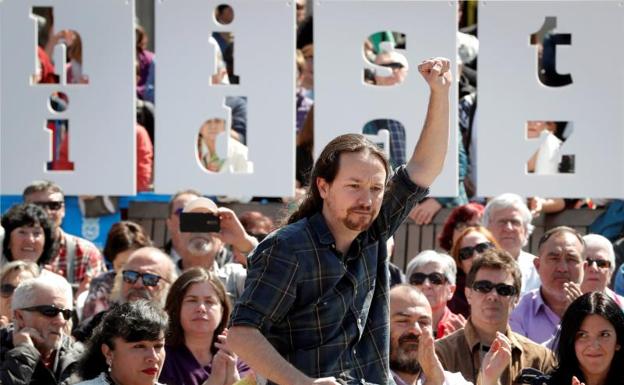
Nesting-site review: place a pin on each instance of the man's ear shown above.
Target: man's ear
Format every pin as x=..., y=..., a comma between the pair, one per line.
x=468, y=293
x=18, y=319
x=322, y=186
x=536, y=263
x=451, y=291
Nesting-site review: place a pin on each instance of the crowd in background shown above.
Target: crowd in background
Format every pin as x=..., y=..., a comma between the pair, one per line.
x=136, y=314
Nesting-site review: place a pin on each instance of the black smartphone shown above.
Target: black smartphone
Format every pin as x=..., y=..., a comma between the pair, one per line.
x=199, y=223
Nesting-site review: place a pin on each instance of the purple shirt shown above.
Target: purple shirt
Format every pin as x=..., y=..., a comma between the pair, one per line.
x=533, y=319
x=181, y=368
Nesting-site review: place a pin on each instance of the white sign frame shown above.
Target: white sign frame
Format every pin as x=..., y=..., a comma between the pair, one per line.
x=185, y=98
x=593, y=102
x=101, y=122
x=344, y=103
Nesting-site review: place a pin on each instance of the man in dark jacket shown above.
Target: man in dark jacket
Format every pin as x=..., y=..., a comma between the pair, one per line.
x=35, y=348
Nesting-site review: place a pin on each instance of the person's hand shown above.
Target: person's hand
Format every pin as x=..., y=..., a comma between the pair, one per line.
x=454, y=323
x=429, y=362
x=576, y=381
x=27, y=336
x=232, y=231
x=572, y=291
x=230, y=358
x=4, y=321
x=496, y=360
x=436, y=72
x=536, y=205
x=424, y=212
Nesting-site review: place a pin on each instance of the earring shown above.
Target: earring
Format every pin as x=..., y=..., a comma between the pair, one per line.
x=109, y=362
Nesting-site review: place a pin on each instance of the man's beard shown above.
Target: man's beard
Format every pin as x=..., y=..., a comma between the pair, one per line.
x=138, y=293
x=402, y=360
x=199, y=245
x=362, y=223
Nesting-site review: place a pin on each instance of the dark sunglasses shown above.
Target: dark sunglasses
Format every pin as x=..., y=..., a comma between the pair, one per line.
x=501, y=288
x=50, y=311
x=6, y=290
x=601, y=263
x=434, y=278
x=393, y=65
x=468, y=251
x=51, y=205
x=131, y=276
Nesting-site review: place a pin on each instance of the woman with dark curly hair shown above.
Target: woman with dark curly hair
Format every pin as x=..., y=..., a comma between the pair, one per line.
x=127, y=347
x=590, y=343
x=460, y=218
x=199, y=309
x=28, y=235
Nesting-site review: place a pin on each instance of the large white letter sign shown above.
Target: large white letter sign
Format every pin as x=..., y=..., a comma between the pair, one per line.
x=551, y=99
x=197, y=105
x=347, y=101
x=72, y=123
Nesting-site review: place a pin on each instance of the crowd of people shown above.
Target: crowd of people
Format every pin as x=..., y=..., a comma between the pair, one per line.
x=316, y=300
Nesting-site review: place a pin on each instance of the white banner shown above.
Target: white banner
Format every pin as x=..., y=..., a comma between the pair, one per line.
x=546, y=62
x=186, y=99
x=92, y=104
x=345, y=102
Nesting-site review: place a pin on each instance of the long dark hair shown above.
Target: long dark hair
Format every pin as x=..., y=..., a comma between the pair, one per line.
x=590, y=303
x=178, y=290
x=28, y=214
x=327, y=166
x=132, y=322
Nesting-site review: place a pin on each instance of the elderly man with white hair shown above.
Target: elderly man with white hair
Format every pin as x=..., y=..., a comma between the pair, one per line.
x=599, y=266
x=36, y=348
x=509, y=219
x=434, y=274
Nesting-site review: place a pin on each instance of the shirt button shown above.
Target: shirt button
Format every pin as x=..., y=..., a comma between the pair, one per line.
x=354, y=352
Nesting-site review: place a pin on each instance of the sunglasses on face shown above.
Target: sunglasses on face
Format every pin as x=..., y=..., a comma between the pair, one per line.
x=502, y=289
x=393, y=65
x=434, y=278
x=50, y=205
x=601, y=263
x=6, y=290
x=468, y=251
x=50, y=311
x=131, y=276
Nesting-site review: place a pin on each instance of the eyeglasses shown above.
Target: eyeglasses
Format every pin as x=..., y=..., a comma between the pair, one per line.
x=601, y=263
x=393, y=65
x=6, y=290
x=131, y=276
x=501, y=288
x=468, y=251
x=50, y=205
x=434, y=278
x=50, y=311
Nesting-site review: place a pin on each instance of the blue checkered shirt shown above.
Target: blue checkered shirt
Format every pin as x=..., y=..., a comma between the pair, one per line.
x=325, y=313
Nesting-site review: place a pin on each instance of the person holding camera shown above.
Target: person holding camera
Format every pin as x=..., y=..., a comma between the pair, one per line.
x=205, y=232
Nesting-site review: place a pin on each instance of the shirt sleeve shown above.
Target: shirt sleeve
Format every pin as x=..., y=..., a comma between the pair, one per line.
x=270, y=288
x=401, y=196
